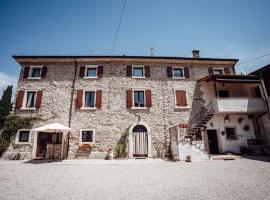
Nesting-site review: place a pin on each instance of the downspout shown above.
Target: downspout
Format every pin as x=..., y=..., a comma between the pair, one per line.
x=71, y=103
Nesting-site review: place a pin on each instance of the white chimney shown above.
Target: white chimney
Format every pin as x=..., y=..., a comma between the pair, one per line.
x=196, y=53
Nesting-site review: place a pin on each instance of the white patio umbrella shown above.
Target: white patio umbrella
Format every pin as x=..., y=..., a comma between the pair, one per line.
x=53, y=128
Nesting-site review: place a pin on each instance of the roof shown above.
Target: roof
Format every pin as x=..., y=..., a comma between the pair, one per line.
x=261, y=70
x=16, y=57
x=231, y=78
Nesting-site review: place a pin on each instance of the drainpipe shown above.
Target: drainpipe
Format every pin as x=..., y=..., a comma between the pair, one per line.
x=71, y=103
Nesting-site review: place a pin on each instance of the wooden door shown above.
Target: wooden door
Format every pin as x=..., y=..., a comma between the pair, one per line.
x=140, y=144
x=42, y=144
x=213, y=141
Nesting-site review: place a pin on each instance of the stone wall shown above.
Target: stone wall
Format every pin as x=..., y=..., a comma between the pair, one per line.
x=114, y=119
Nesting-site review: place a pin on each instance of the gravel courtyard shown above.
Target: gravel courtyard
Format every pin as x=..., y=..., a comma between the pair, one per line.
x=135, y=179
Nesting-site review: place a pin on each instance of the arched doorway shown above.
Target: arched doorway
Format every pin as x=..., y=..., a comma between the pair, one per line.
x=139, y=140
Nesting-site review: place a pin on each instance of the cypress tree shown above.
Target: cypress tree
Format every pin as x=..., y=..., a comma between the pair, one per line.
x=5, y=105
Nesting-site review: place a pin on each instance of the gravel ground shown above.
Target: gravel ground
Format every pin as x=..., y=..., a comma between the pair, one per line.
x=135, y=179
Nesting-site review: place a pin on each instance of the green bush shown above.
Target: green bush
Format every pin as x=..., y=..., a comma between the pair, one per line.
x=121, y=147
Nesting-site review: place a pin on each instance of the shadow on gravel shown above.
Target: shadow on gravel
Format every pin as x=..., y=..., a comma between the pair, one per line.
x=258, y=158
x=41, y=161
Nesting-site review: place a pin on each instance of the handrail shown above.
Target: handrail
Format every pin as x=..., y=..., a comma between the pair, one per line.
x=204, y=109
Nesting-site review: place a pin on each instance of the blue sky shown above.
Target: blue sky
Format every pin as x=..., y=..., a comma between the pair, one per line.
x=222, y=29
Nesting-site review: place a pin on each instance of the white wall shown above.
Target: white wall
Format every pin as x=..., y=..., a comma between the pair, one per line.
x=226, y=145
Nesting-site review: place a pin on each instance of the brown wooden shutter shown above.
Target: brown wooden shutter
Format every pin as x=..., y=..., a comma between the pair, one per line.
x=147, y=71
x=98, y=98
x=26, y=72
x=211, y=70
x=186, y=71
x=100, y=71
x=79, y=100
x=49, y=138
x=181, y=98
x=129, y=71
x=129, y=98
x=38, y=99
x=169, y=72
x=82, y=71
x=19, y=99
x=148, y=95
x=227, y=70
x=43, y=72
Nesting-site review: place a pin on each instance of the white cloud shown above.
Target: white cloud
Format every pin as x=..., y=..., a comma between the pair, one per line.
x=6, y=80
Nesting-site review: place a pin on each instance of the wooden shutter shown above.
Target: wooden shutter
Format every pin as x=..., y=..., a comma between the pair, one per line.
x=227, y=70
x=82, y=71
x=186, y=71
x=49, y=138
x=98, y=98
x=147, y=71
x=181, y=98
x=169, y=72
x=129, y=98
x=43, y=71
x=26, y=72
x=211, y=70
x=38, y=99
x=100, y=71
x=129, y=71
x=148, y=95
x=79, y=100
x=19, y=99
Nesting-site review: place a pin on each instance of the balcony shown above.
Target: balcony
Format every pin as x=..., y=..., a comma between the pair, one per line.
x=239, y=105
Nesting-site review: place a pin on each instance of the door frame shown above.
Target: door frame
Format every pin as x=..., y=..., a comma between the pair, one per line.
x=37, y=145
x=218, y=142
x=130, y=139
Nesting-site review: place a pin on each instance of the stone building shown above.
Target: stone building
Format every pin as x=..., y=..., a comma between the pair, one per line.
x=153, y=101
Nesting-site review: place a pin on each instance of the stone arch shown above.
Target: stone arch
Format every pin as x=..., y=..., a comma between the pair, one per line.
x=130, y=138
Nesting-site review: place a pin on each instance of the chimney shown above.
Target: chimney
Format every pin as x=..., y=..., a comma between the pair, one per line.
x=196, y=53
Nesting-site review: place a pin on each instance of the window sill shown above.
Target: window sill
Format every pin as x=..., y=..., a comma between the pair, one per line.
x=181, y=78
x=22, y=143
x=90, y=77
x=86, y=108
x=90, y=143
x=34, y=78
x=138, y=77
x=139, y=108
x=182, y=107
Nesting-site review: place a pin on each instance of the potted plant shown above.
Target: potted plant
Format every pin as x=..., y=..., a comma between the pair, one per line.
x=110, y=154
x=86, y=147
x=188, y=158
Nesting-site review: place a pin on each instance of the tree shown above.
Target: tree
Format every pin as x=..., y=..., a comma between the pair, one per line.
x=5, y=105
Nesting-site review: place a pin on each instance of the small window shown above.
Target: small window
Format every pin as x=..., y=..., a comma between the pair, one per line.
x=91, y=72
x=178, y=72
x=57, y=138
x=90, y=99
x=258, y=91
x=218, y=71
x=231, y=133
x=30, y=99
x=87, y=136
x=23, y=136
x=138, y=71
x=139, y=99
x=223, y=93
x=35, y=72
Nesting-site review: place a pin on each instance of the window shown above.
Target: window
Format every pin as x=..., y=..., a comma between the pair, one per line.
x=138, y=71
x=231, y=133
x=178, y=73
x=90, y=99
x=23, y=136
x=35, y=72
x=258, y=91
x=218, y=71
x=139, y=99
x=30, y=99
x=181, y=98
x=91, y=72
x=223, y=93
x=87, y=136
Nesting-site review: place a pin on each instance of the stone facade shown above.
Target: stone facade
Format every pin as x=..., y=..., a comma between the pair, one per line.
x=114, y=118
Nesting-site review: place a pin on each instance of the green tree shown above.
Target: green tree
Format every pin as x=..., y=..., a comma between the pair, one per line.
x=5, y=105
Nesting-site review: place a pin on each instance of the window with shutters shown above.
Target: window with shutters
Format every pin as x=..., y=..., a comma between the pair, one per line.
x=138, y=71
x=181, y=100
x=35, y=72
x=90, y=99
x=178, y=72
x=231, y=133
x=139, y=99
x=30, y=99
x=218, y=70
x=91, y=71
x=23, y=136
x=87, y=136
